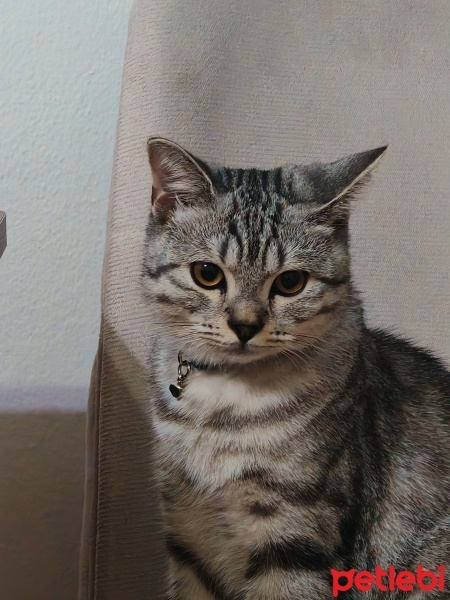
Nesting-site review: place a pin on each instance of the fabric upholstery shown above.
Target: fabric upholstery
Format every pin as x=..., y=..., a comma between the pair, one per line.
x=259, y=83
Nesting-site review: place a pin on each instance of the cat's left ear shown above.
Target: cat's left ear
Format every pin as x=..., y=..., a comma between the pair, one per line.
x=179, y=179
x=341, y=181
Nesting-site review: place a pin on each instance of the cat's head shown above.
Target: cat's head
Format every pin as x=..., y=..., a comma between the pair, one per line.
x=243, y=264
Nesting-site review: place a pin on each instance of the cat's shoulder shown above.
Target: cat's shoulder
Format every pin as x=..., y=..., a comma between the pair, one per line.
x=406, y=360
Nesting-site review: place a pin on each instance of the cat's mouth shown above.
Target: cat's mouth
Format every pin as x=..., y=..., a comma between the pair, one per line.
x=239, y=353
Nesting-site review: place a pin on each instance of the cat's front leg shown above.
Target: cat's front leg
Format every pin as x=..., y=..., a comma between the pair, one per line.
x=290, y=586
x=183, y=585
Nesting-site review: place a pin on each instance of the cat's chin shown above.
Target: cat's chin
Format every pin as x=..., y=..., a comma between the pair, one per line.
x=237, y=354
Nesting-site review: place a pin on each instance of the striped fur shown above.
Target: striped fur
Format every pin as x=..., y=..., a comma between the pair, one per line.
x=318, y=444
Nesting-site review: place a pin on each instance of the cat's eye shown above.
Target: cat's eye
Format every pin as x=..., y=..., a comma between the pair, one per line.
x=207, y=275
x=290, y=283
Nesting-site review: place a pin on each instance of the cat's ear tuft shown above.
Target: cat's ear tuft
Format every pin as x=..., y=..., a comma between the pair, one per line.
x=178, y=179
x=342, y=180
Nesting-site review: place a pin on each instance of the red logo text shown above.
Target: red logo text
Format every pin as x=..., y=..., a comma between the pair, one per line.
x=388, y=580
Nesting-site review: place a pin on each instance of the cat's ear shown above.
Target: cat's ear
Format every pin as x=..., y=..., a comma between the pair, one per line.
x=179, y=179
x=340, y=181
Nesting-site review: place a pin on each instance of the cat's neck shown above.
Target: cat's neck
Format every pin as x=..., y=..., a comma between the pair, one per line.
x=320, y=367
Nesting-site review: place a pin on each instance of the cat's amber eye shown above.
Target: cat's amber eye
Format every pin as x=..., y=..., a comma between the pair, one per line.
x=290, y=283
x=207, y=275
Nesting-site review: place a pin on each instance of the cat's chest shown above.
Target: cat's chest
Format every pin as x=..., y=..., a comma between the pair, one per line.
x=221, y=426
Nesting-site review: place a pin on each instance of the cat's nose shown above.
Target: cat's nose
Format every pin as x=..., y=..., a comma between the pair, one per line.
x=245, y=331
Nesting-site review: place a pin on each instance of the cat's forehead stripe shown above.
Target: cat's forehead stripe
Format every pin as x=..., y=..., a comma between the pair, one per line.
x=255, y=216
x=227, y=180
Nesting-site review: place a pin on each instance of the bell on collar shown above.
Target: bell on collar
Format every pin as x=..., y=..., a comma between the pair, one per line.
x=175, y=389
x=184, y=368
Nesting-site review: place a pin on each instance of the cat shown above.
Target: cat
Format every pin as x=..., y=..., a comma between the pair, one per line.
x=301, y=441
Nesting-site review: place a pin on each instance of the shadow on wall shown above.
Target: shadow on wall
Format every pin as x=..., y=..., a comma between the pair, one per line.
x=41, y=497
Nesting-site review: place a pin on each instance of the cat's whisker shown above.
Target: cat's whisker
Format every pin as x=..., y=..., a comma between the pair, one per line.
x=174, y=324
x=322, y=351
x=304, y=335
x=292, y=357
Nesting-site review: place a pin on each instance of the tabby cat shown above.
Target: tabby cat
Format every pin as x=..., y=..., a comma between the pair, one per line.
x=296, y=440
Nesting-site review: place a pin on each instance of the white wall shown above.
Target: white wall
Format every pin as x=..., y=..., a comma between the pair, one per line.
x=60, y=65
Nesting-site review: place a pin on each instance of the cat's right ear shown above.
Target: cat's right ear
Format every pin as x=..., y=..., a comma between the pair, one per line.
x=178, y=178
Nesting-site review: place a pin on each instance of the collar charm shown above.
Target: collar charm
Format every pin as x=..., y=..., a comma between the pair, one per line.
x=184, y=368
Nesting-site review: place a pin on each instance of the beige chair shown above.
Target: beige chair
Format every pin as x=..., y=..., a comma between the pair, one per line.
x=255, y=82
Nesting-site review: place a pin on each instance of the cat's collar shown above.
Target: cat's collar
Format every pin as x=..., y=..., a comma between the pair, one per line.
x=184, y=369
